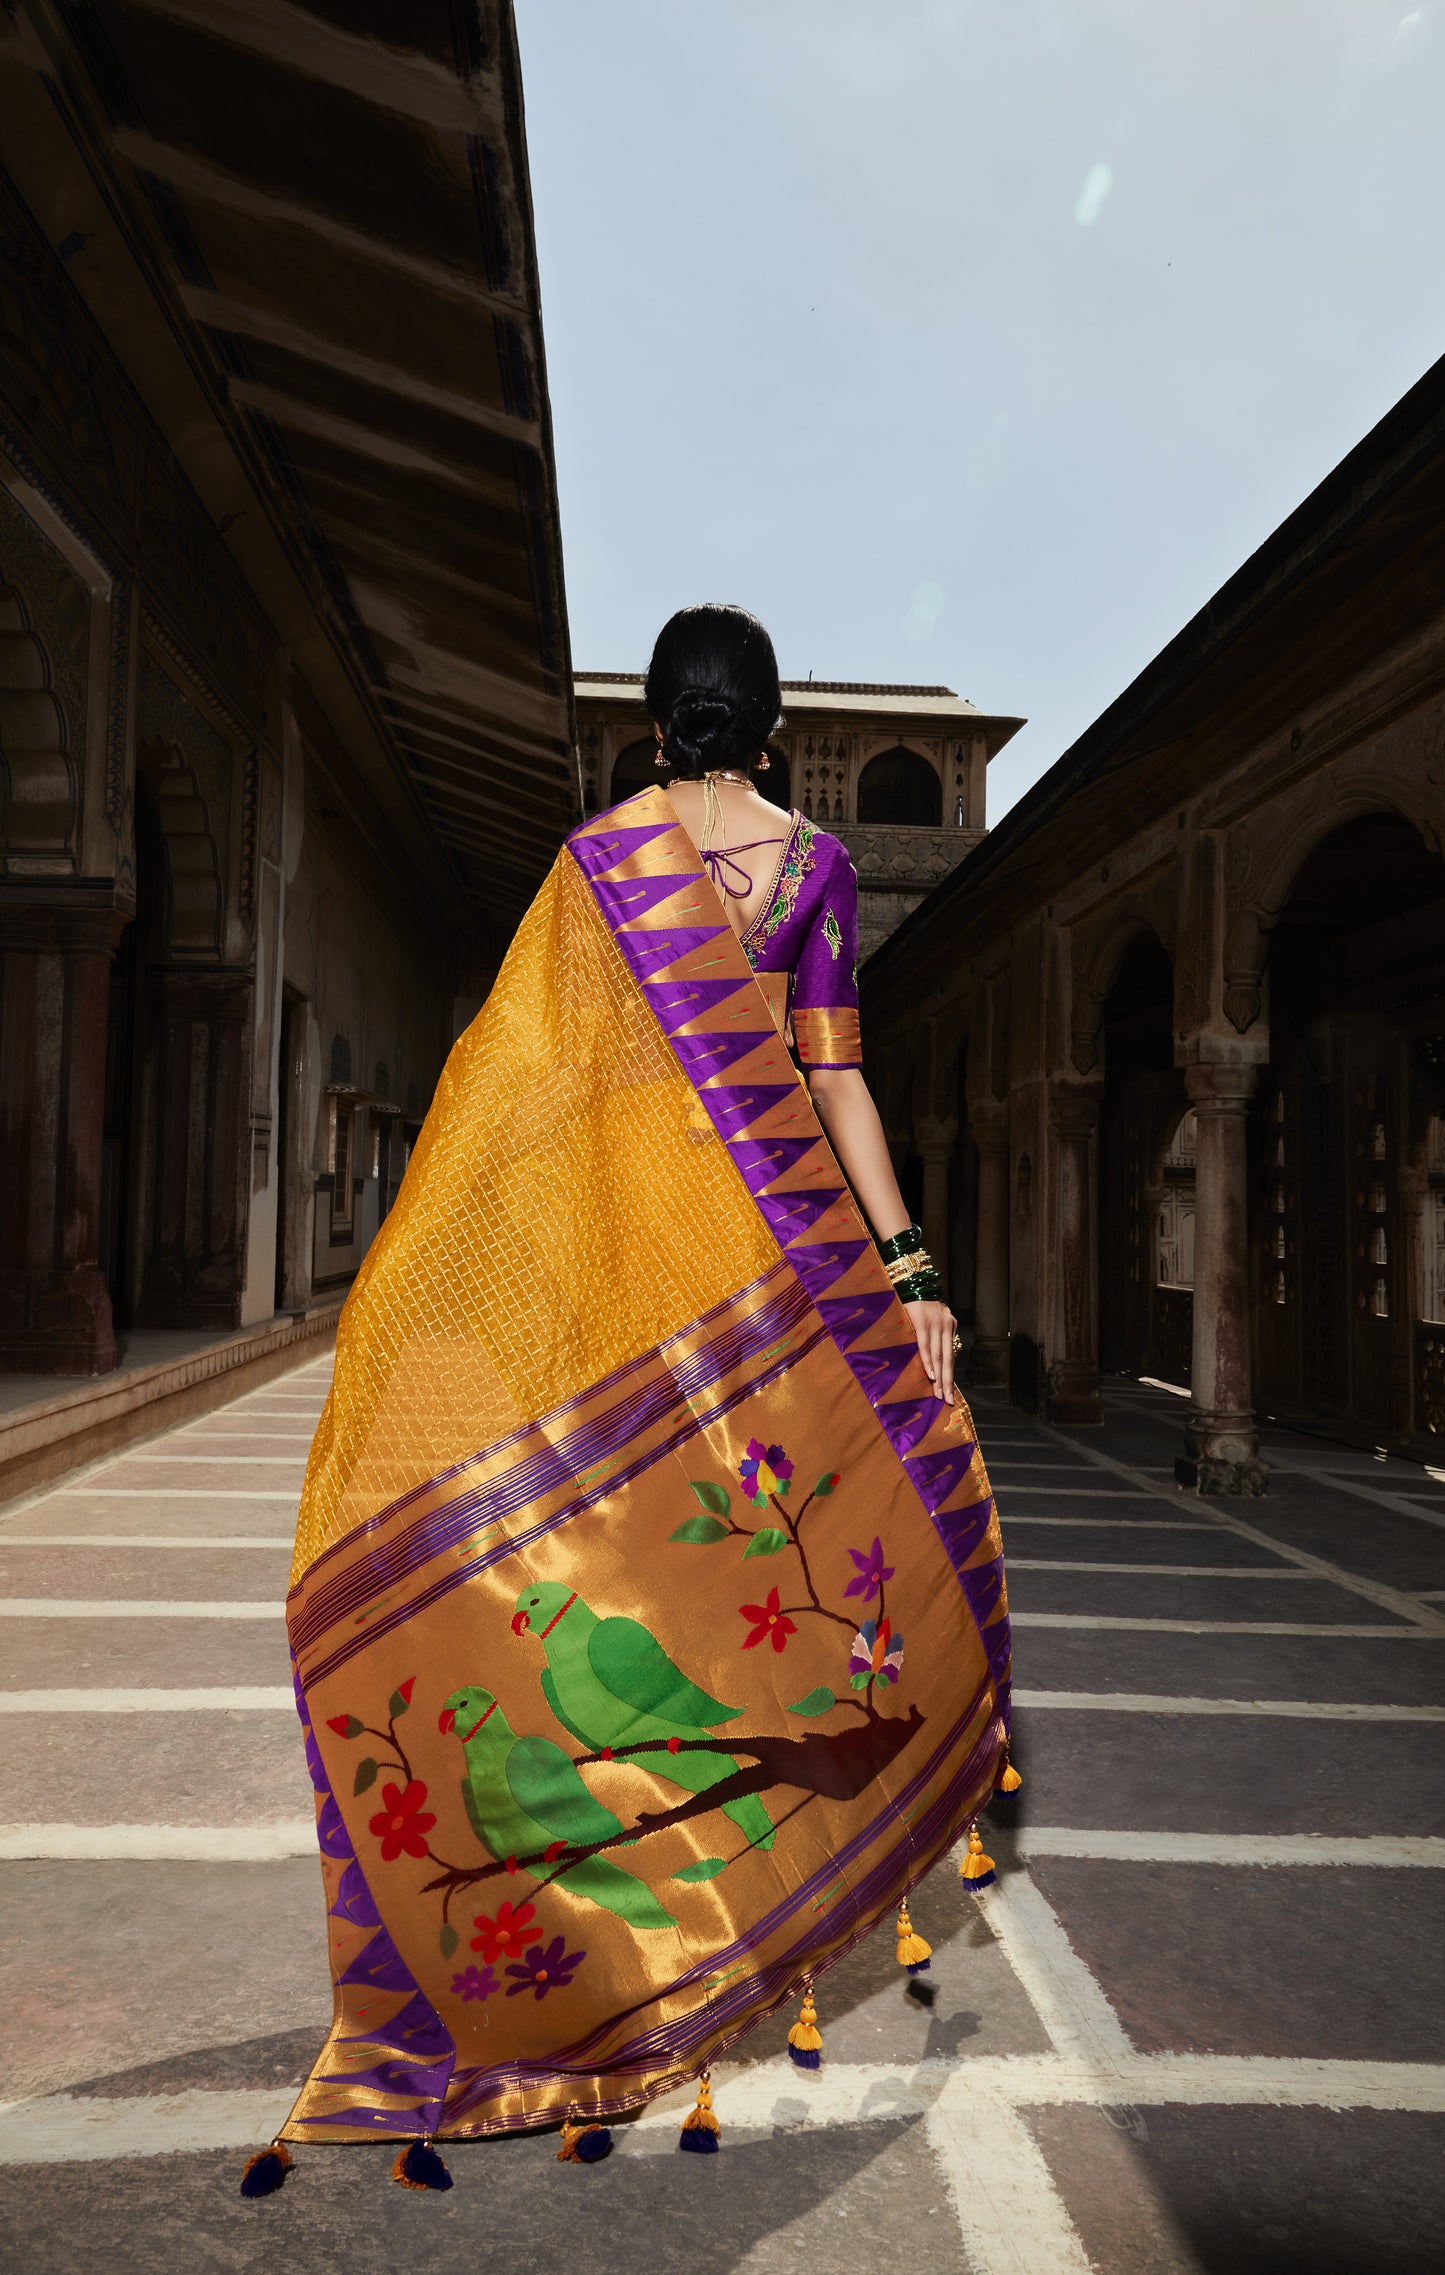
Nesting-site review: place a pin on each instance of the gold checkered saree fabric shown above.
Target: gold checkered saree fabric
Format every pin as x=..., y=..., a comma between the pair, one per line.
x=647, y=1613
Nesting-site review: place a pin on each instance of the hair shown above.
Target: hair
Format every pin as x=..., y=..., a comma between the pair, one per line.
x=712, y=687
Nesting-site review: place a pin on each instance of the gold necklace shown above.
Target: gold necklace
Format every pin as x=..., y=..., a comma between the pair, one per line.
x=720, y=774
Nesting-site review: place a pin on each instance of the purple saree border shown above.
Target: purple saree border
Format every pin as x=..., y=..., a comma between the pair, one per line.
x=550, y=1457
x=416, y=2051
x=464, y=1513
x=599, y=849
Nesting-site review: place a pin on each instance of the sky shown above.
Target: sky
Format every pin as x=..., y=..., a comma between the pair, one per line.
x=968, y=342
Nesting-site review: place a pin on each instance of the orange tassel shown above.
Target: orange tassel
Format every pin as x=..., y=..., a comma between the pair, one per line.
x=1009, y=1780
x=700, y=2128
x=805, y=2039
x=977, y=1870
x=913, y=1952
x=584, y=2144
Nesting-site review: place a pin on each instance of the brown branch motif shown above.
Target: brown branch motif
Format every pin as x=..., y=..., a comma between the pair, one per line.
x=837, y=1764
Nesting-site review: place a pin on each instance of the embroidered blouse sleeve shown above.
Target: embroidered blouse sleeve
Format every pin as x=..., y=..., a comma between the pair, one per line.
x=825, y=984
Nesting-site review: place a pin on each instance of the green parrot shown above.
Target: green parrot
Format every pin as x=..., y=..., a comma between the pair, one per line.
x=524, y=1795
x=611, y=1683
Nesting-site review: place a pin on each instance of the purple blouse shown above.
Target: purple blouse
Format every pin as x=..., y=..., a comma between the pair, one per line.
x=807, y=927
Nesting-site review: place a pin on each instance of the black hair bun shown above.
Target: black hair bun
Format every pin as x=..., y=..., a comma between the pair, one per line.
x=697, y=728
x=712, y=688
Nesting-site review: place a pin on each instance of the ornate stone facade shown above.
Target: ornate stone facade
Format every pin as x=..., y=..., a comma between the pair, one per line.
x=898, y=773
x=1185, y=1006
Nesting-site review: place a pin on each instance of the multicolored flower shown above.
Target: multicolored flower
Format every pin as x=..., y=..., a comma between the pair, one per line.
x=551, y=1969
x=508, y=1935
x=475, y=1983
x=403, y=1824
x=871, y=1572
x=769, y=1622
x=876, y=1656
x=764, y=1470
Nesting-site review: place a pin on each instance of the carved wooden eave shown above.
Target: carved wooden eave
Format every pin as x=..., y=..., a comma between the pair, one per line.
x=311, y=247
x=1346, y=591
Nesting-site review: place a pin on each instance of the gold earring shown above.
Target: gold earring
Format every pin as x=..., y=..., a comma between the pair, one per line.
x=763, y=762
x=659, y=759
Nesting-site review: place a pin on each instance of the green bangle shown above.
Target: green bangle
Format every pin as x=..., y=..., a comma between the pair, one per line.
x=924, y=1287
x=905, y=1243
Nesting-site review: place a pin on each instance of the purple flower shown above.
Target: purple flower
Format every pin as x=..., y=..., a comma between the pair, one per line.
x=475, y=1983
x=765, y=1470
x=549, y=1969
x=871, y=1572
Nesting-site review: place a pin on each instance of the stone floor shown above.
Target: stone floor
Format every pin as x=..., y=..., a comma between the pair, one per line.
x=1195, y=2027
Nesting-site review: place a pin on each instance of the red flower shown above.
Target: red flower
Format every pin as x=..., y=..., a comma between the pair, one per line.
x=508, y=1935
x=403, y=1824
x=768, y=1619
x=345, y=1725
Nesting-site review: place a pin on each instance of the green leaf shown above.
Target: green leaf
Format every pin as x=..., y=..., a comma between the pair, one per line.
x=398, y=1702
x=448, y=1940
x=817, y=1701
x=825, y=1484
x=765, y=1543
x=714, y=1497
x=859, y=1682
x=701, y=1529
x=365, y=1775
x=706, y=1868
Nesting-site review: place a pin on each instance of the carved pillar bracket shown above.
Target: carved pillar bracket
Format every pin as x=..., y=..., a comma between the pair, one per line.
x=988, y=1118
x=1073, y=1373
x=1220, y=1432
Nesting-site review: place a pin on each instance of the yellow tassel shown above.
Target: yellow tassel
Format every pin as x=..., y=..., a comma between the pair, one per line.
x=1010, y=1781
x=913, y=1952
x=805, y=2039
x=977, y=1870
x=700, y=2128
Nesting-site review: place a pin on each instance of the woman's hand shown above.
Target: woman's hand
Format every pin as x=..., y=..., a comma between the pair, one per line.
x=935, y=1327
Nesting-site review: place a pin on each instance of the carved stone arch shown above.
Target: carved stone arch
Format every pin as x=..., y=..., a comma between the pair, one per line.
x=1264, y=855
x=194, y=901
x=39, y=806
x=1099, y=951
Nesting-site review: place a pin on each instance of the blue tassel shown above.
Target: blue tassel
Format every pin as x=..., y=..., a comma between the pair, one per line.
x=419, y=2166
x=266, y=2171
x=805, y=2057
x=584, y=2144
x=702, y=2144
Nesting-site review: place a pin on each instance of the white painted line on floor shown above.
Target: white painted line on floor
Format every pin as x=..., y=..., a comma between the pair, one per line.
x=1069, y=2003
x=109, y=1607
x=1219, y=1627
x=1118, y=1524
x=146, y=1540
x=235, y=1698
x=210, y=1460
x=1162, y=1571
x=1386, y=1851
x=1429, y=1595
x=1156, y=1702
x=1066, y=1492
x=159, y=1844
x=206, y=1493
x=1388, y=1599
x=765, y=2097
x=1010, y=2214
x=1344, y=1484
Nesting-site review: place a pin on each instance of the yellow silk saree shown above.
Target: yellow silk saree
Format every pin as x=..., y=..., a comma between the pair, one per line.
x=647, y=1616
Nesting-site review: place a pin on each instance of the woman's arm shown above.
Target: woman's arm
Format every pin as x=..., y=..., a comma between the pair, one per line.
x=847, y=1112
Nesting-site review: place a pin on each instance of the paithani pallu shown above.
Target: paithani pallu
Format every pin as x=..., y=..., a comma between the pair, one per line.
x=648, y=1613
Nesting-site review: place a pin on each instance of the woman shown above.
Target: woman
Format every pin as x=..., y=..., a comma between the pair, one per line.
x=648, y=1613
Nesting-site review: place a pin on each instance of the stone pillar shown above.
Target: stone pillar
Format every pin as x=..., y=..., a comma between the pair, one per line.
x=55, y=1315
x=1073, y=1363
x=1220, y=1431
x=194, y=1267
x=989, y=1122
x=934, y=1144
